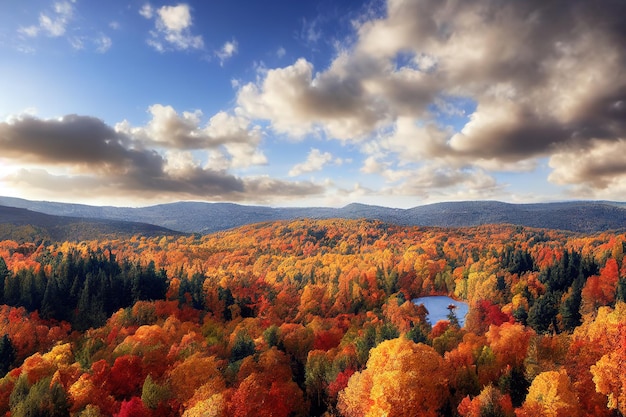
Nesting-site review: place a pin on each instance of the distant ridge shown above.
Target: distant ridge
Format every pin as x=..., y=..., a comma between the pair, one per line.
x=21, y=224
x=197, y=217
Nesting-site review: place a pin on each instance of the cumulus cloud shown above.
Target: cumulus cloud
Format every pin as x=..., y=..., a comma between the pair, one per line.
x=373, y=165
x=435, y=182
x=541, y=79
x=84, y=153
x=297, y=102
x=172, y=28
x=438, y=95
x=169, y=129
x=315, y=161
x=599, y=167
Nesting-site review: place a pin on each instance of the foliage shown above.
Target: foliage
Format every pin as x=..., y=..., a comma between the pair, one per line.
x=308, y=317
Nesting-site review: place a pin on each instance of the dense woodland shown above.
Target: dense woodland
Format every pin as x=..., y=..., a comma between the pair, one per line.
x=312, y=318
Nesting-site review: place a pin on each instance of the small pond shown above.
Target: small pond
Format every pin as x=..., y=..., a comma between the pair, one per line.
x=437, y=306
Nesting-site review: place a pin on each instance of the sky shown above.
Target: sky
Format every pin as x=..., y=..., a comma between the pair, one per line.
x=397, y=103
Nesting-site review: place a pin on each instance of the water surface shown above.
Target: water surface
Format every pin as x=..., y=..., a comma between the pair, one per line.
x=437, y=306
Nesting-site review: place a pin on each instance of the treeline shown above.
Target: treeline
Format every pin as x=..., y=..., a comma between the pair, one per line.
x=84, y=290
x=558, y=307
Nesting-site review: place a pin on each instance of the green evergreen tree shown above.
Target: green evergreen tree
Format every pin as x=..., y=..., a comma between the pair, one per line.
x=4, y=275
x=7, y=354
x=542, y=315
x=244, y=346
x=270, y=335
x=12, y=291
x=452, y=318
x=386, y=332
x=27, y=289
x=90, y=309
x=417, y=335
x=570, y=307
x=51, y=305
x=621, y=290
x=515, y=384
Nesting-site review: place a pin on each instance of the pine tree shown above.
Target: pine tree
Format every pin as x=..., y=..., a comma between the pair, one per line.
x=4, y=274
x=7, y=354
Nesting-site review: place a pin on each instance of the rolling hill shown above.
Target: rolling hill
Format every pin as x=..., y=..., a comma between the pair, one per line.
x=25, y=225
x=198, y=217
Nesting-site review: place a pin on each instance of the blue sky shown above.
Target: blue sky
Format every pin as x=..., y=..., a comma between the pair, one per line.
x=294, y=103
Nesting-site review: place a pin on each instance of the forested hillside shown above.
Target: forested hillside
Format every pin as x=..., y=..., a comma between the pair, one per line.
x=25, y=225
x=199, y=217
x=311, y=318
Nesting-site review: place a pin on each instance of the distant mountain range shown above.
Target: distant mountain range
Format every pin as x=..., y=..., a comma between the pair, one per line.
x=195, y=217
x=25, y=225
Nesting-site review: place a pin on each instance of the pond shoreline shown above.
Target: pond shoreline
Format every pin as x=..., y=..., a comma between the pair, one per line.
x=437, y=306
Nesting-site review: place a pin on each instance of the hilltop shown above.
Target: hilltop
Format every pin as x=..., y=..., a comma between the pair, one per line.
x=200, y=217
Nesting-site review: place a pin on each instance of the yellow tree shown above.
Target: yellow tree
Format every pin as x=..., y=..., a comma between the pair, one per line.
x=186, y=377
x=401, y=378
x=609, y=377
x=551, y=395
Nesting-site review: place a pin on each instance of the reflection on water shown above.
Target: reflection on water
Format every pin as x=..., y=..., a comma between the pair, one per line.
x=437, y=306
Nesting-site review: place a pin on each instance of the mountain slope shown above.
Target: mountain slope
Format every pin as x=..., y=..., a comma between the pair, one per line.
x=197, y=217
x=22, y=224
x=578, y=216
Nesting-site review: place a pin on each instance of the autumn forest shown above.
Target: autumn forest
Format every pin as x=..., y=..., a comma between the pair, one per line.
x=315, y=318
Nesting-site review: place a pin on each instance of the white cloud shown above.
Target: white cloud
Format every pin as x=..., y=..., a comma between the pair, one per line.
x=103, y=43
x=54, y=26
x=82, y=156
x=76, y=42
x=232, y=135
x=437, y=182
x=372, y=166
x=311, y=32
x=539, y=82
x=438, y=95
x=53, y=23
x=156, y=44
x=315, y=161
x=172, y=28
x=175, y=18
x=596, y=170
x=146, y=11
x=297, y=102
x=244, y=155
x=229, y=49
x=30, y=31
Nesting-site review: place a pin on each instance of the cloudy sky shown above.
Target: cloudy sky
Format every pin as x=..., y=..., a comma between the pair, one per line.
x=294, y=103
